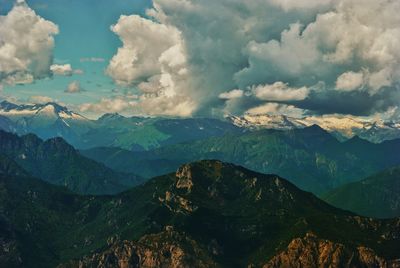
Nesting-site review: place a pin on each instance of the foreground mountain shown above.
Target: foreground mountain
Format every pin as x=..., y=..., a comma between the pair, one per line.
x=207, y=214
x=376, y=196
x=173, y=249
x=310, y=157
x=57, y=162
x=311, y=251
x=341, y=127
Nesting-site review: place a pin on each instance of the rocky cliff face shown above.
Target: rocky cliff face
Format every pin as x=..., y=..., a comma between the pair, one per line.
x=167, y=249
x=176, y=250
x=311, y=251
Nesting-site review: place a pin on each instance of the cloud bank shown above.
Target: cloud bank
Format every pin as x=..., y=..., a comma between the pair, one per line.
x=26, y=45
x=229, y=56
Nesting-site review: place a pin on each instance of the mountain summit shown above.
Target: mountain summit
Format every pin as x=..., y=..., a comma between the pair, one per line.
x=45, y=120
x=12, y=110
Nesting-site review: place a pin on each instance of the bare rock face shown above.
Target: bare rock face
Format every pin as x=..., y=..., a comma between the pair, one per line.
x=167, y=249
x=311, y=251
x=184, y=178
x=177, y=204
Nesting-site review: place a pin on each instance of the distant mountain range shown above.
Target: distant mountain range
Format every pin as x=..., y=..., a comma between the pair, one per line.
x=141, y=133
x=206, y=214
x=145, y=133
x=309, y=157
x=341, y=127
x=134, y=133
x=57, y=162
x=375, y=196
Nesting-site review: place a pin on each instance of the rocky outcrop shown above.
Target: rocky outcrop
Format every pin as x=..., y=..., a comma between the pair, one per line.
x=177, y=204
x=311, y=251
x=184, y=178
x=167, y=249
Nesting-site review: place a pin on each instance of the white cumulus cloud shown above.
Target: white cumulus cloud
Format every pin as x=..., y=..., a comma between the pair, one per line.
x=152, y=59
x=280, y=91
x=195, y=53
x=147, y=46
x=65, y=69
x=350, y=81
x=273, y=108
x=26, y=45
x=233, y=94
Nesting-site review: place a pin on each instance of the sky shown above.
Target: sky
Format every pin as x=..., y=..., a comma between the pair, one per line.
x=184, y=58
x=84, y=41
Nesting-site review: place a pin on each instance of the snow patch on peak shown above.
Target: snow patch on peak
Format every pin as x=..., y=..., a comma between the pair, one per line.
x=266, y=122
x=50, y=109
x=340, y=126
x=347, y=126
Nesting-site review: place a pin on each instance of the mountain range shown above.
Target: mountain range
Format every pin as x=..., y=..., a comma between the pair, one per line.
x=132, y=133
x=141, y=133
x=206, y=214
x=57, y=162
x=309, y=157
x=145, y=133
x=118, y=192
x=342, y=127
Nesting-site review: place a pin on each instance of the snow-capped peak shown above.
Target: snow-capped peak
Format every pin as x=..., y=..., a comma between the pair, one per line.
x=49, y=110
x=343, y=126
x=265, y=121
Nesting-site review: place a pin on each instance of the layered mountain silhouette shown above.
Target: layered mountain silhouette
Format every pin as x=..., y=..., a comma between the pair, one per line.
x=206, y=214
x=63, y=207
x=57, y=162
x=310, y=157
x=135, y=133
x=141, y=133
x=51, y=120
x=342, y=127
x=375, y=196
